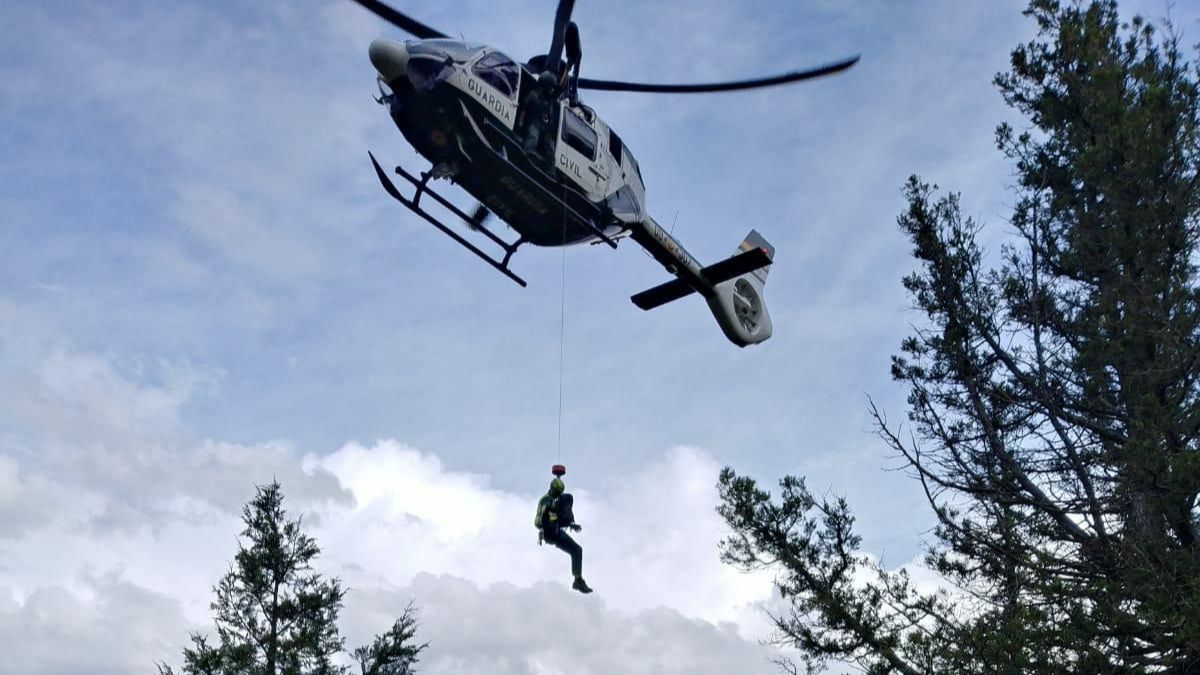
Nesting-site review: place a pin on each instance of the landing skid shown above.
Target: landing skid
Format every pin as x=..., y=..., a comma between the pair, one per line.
x=414, y=205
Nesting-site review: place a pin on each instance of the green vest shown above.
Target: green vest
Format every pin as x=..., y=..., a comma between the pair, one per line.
x=546, y=502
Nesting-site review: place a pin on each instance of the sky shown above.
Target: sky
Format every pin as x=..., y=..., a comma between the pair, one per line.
x=203, y=288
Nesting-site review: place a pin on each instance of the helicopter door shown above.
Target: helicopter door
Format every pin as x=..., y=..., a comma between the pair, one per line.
x=577, y=154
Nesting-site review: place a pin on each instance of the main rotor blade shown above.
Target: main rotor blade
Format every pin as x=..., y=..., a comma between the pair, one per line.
x=400, y=20
x=786, y=78
x=562, y=16
x=571, y=42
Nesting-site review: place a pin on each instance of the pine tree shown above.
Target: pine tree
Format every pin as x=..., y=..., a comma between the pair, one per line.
x=394, y=652
x=275, y=615
x=1053, y=401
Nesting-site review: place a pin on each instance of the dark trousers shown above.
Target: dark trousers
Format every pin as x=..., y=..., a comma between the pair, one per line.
x=563, y=541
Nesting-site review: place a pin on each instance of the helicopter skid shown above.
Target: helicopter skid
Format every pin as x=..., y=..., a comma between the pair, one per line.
x=414, y=205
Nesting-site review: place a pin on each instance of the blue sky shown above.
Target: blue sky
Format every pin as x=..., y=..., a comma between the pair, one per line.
x=203, y=286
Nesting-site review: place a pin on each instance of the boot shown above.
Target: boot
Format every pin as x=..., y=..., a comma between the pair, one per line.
x=581, y=585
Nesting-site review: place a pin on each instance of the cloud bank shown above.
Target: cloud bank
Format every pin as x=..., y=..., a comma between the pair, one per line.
x=117, y=522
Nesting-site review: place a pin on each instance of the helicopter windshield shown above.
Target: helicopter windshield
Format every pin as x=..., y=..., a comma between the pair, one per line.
x=459, y=51
x=499, y=71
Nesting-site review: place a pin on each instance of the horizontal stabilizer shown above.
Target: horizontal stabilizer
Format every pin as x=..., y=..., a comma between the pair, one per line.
x=736, y=266
x=662, y=294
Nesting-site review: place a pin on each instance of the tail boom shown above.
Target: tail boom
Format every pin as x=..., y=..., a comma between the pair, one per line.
x=732, y=287
x=745, y=262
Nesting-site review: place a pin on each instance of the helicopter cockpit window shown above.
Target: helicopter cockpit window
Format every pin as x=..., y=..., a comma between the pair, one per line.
x=579, y=135
x=624, y=205
x=459, y=51
x=499, y=71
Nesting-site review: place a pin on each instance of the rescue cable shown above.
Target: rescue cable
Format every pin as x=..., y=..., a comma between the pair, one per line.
x=562, y=328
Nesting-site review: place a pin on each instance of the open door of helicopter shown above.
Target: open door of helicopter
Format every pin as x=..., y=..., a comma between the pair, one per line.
x=582, y=149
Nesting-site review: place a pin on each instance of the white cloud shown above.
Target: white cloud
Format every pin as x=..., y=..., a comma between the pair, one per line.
x=95, y=442
x=112, y=628
x=503, y=629
x=114, y=515
x=497, y=600
x=24, y=502
x=651, y=542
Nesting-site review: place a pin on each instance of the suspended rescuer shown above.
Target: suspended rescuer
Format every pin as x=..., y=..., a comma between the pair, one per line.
x=554, y=517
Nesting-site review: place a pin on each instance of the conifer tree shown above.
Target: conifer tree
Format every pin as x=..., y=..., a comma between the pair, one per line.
x=395, y=652
x=1054, y=405
x=275, y=615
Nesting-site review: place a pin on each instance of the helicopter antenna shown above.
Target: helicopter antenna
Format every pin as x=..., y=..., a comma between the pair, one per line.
x=647, y=253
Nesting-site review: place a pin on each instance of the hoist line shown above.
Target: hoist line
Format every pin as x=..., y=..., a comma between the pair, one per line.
x=562, y=329
x=562, y=326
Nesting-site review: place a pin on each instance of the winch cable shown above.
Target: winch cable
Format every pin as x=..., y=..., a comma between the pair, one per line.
x=562, y=329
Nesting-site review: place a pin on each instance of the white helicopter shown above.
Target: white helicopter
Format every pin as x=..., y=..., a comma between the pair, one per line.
x=519, y=140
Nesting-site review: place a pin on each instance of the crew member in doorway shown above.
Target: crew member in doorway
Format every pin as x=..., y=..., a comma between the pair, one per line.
x=537, y=117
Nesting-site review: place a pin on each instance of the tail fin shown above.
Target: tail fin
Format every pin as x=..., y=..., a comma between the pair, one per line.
x=755, y=240
x=733, y=288
x=738, y=304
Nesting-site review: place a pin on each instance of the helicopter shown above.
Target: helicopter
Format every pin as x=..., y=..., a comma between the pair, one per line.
x=518, y=139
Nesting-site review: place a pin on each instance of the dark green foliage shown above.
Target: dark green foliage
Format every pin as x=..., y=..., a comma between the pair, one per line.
x=813, y=545
x=1053, y=399
x=274, y=615
x=392, y=653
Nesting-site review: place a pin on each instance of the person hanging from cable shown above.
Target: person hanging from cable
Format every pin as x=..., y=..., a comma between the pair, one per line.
x=554, y=517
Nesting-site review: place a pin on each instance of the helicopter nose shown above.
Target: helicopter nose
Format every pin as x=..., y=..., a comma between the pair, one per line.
x=389, y=58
